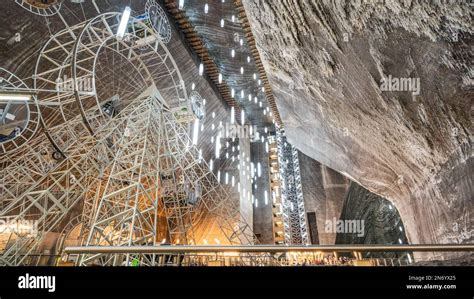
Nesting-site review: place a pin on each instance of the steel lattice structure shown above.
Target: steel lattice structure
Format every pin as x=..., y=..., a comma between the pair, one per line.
x=116, y=150
x=46, y=10
x=27, y=127
x=294, y=216
x=167, y=175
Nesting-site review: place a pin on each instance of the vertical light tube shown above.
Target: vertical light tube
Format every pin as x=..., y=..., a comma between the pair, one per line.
x=218, y=145
x=232, y=115
x=196, y=131
x=201, y=69
x=123, y=23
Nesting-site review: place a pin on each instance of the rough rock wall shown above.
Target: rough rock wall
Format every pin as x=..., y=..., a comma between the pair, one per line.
x=324, y=191
x=325, y=61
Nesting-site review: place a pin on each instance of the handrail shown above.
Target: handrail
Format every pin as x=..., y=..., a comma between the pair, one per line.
x=268, y=248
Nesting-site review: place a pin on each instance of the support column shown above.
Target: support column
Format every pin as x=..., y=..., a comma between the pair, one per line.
x=262, y=211
x=246, y=198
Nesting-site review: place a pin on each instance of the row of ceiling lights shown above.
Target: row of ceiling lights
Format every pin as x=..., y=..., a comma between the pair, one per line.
x=248, y=168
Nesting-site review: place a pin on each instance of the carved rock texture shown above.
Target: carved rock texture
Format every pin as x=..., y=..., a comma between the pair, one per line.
x=325, y=61
x=379, y=222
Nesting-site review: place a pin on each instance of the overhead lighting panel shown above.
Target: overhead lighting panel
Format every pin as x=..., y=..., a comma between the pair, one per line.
x=123, y=22
x=14, y=97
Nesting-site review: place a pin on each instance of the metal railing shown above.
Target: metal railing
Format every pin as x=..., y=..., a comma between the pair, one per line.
x=268, y=255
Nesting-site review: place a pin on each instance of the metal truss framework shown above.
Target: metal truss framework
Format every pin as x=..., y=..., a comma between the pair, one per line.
x=89, y=54
x=158, y=20
x=158, y=171
x=123, y=168
x=46, y=10
x=294, y=216
x=49, y=194
x=29, y=108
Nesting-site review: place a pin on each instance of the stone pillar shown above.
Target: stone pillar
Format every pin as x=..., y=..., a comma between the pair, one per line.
x=246, y=202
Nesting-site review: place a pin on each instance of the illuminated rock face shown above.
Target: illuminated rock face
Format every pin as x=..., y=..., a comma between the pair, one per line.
x=370, y=219
x=408, y=142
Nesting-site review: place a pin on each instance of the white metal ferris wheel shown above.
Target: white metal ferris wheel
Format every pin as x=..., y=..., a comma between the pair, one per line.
x=41, y=7
x=107, y=103
x=95, y=72
x=19, y=118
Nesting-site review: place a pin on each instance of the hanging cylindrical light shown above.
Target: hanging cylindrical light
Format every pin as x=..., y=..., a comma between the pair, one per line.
x=201, y=69
x=195, y=131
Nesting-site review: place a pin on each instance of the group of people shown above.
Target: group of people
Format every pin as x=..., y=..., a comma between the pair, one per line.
x=325, y=261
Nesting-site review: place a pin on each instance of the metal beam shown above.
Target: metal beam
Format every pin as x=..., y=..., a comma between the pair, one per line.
x=268, y=248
